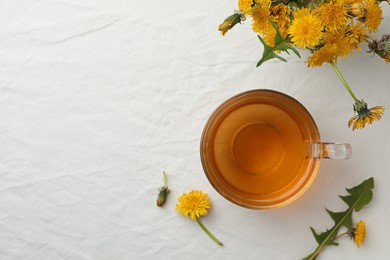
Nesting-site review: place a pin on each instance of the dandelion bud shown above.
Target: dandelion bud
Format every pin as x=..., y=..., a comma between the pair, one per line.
x=230, y=22
x=162, y=192
x=162, y=196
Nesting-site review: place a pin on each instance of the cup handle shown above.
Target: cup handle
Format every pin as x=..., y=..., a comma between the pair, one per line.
x=334, y=151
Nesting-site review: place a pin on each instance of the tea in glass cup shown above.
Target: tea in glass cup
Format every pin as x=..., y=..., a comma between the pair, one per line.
x=261, y=149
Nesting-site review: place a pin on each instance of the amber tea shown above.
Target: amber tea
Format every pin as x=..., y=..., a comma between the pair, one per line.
x=261, y=149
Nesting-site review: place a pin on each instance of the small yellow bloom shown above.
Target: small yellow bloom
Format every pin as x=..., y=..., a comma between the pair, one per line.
x=373, y=16
x=365, y=115
x=280, y=14
x=333, y=15
x=336, y=43
x=355, y=34
x=358, y=9
x=328, y=53
x=306, y=28
x=367, y=11
x=245, y=5
x=260, y=16
x=193, y=204
x=359, y=233
x=339, y=39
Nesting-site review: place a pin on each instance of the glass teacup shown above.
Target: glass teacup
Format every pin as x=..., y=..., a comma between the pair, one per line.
x=261, y=149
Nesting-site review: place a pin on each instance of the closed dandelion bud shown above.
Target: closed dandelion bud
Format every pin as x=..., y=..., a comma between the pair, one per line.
x=162, y=192
x=162, y=196
x=230, y=22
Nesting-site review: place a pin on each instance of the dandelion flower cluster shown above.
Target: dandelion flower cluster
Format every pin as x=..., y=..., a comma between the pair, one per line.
x=308, y=25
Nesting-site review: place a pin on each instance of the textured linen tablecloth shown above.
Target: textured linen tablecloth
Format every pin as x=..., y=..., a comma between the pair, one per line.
x=97, y=98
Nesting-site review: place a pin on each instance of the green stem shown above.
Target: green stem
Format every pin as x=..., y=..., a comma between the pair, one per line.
x=367, y=41
x=250, y=10
x=165, y=179
x=323, y=247
x=208, y=232
x=343, y=80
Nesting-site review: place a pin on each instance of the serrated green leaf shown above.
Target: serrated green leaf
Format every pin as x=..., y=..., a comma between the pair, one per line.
x=320, y=237
x=347, y=199
x=360, y=196
x=345, y=218
x=268, y=53
x=278, y=36
x=365, y=188
x=281, y=44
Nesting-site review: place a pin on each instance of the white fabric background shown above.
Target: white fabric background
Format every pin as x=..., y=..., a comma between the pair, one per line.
x=97, y=98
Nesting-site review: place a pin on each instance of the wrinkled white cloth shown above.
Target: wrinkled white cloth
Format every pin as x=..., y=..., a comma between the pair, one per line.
x=97, y=98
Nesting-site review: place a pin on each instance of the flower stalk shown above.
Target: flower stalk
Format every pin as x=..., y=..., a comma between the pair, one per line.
x=208, y=232
x=365, y=116
x=342, y=79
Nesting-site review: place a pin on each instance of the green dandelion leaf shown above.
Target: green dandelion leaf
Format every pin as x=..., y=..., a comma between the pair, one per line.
x=358, y=197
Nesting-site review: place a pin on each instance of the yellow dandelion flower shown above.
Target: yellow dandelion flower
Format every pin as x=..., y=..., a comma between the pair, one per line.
x=327, y=53
x=260, y=16
x=359, y=233
x=357, y=9
x=335, y=44
x=333, y=15
x=339, y=39
x=368, y=12
x=373, y=16
x=194, y=205
x=355, y=34
x=306, y=29
x=245, y=5
x=279, y=14
x=365, y=116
